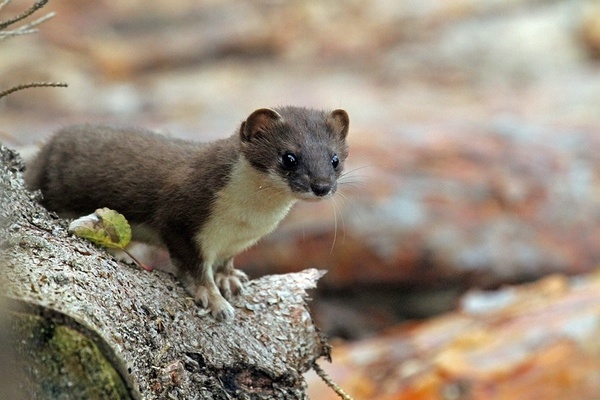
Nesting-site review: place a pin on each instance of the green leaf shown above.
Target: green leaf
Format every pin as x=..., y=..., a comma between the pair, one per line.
x=105, y=227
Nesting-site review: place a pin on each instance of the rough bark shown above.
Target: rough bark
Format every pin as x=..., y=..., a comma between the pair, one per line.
x=72, y=305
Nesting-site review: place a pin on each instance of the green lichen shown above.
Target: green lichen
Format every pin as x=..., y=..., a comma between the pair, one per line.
x=58, y=362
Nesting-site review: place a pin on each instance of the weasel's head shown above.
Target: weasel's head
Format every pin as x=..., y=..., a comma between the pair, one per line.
x=301, y=150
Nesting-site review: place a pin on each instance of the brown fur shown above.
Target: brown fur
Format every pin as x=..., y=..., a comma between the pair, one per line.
x=173, y=186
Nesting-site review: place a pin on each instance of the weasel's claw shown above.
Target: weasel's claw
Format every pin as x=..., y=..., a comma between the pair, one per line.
x=201, y=296
x=220, y=308
x=241, y=275
x=231, y=284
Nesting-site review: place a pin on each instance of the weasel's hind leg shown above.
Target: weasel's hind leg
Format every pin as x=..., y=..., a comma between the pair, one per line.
x=229, y=280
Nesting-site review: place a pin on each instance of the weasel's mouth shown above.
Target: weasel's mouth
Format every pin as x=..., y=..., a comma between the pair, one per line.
x=308, y=196
x=304, y=189
x=314, y=195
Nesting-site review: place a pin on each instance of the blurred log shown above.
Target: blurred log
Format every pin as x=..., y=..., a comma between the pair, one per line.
x=88, y=327
x=538, y=341
x=590, y=29
x=452, y=205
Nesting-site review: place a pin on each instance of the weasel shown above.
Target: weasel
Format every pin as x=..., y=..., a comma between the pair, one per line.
x=204, y=202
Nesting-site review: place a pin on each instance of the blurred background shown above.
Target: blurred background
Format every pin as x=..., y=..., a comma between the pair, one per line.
x=475, y=154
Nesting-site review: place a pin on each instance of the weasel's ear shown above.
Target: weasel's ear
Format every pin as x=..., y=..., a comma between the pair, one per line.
x=340, y=121
x=258, y=123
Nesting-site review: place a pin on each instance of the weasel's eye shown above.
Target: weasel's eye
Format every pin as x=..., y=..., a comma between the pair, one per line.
x=289, y=161
x=335, y=161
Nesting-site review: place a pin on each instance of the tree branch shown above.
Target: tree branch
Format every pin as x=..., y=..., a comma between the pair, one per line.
x=31, y=85
x=27, y=28
x=22, y=16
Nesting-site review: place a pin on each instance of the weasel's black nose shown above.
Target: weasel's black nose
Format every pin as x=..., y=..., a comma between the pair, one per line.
x=321, y=189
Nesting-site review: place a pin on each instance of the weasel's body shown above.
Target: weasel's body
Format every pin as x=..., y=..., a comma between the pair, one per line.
x=204, y=202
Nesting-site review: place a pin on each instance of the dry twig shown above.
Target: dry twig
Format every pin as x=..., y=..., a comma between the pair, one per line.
x=25, y=30
x=30, y=85
x=329, y=382
x=23, y=15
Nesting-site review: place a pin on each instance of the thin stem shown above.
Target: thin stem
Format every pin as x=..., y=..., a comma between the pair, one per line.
x=27, y=28
x=17, y=32
x=23, y=15
x=338, y=390
x=137, y=261
x=31, y=85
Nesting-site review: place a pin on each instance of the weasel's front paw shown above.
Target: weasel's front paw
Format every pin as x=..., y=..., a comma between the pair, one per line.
x=231, y=282
x=220, y=308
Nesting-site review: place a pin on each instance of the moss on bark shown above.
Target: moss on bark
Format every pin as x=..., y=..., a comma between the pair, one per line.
x=61, y=363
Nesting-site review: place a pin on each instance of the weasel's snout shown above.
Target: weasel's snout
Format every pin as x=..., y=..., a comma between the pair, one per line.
x=321, y=189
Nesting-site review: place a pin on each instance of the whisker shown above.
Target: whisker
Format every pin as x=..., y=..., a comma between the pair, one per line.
x=355, y=169
x=349, y=187
x=342, y=200
x=352, y=184
x=345, y=200
x=351, y=179
x=342, y=197
x=334, y=227
x=353, y=176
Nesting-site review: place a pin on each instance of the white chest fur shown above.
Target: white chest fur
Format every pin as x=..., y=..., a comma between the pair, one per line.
x=250, y=206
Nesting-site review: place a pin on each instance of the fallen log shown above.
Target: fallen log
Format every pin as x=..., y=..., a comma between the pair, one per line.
x=86, y=326
x=535, y=341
